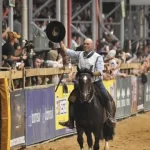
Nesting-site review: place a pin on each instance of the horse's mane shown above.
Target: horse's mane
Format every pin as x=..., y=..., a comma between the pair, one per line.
x=84, y=70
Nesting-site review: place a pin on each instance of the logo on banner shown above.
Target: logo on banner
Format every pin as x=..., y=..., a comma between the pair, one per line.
x=39, y=116
x=61, y=106
x=48, y=114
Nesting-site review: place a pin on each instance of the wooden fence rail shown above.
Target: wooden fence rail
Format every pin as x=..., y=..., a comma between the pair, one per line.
x=15, y=74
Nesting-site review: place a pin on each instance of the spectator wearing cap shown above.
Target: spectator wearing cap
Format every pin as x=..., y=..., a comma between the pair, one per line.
x=8, y=48
x=17, y=47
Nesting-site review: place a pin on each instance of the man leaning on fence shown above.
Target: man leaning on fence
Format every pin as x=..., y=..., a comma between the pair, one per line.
x=86, y=59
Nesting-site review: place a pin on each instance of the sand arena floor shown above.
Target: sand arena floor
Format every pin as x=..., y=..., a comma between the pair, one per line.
x=131, y=134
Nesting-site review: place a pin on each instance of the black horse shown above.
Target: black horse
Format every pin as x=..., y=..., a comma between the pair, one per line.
x=90, y=114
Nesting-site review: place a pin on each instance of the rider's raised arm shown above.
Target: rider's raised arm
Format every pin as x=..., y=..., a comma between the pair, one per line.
x=69, y=52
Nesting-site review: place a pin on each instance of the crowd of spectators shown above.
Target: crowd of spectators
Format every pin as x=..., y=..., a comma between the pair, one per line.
x=18, y=57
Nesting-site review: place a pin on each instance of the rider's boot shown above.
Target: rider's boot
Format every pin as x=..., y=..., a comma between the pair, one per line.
x=109, y=108
x=70, y=122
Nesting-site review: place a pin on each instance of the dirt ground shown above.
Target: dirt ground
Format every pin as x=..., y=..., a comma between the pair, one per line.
x=131, y=134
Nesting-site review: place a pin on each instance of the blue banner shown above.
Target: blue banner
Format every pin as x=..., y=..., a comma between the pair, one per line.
x=40, y=115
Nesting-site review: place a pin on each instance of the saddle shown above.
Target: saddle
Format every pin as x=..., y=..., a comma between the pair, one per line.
x=73, y=95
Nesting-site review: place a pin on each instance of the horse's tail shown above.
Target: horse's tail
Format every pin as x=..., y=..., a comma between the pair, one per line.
x=108, y=128
x=108, y=131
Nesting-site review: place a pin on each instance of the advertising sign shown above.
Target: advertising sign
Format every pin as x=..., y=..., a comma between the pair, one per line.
x=17, y=104
x=111, y=87
x=61, y=109
x=123, y=97
x=40, y=115
x=140, y=95
x=147, y=95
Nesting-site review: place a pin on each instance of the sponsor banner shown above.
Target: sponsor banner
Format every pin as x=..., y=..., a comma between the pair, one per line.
x=17, y=104
x=111, y=87
x=134, y=94
x=61, y=109
x=40, y=115
x=123, y=95
x=147, y=94
x=140, y=95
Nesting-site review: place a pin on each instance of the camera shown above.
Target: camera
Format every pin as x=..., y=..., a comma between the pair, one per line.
x=28, y=45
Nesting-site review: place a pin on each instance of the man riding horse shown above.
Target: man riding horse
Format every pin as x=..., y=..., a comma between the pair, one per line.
x=87, y=59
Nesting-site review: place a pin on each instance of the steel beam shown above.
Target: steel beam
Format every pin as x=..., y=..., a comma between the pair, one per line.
x=10, y=18
x=94, y=23
x=105, y=29
x=122, y=33
x=33, y=24
x=100, y=23
x=58, y=10
x=110, y=13
x=83, y=22
x=43, y=19
x=85, y=6
x=109, y=1
x=30, y=13
x=80, y=33
x=65, y=19
x=24, y=20
x=43, y=6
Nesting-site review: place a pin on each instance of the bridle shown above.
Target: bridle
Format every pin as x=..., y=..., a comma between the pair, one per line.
x=89, y=91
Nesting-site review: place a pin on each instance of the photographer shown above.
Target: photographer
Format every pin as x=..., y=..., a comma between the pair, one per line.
x=29, y=52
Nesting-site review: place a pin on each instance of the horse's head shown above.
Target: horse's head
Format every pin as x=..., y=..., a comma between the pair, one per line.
x=84, y=77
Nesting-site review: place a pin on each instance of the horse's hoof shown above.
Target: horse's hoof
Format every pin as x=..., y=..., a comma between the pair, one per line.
x=90, y=148
x=81, y=149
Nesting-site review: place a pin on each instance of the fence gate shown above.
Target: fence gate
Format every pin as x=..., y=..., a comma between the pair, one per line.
x=17, y=105
x=123, y=97
x=140, y=95
x=147, y=95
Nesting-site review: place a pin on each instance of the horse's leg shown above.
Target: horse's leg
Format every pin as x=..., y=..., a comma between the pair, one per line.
x=96, y=144
x=89, y=139
x=106, y=147
x=80, y=137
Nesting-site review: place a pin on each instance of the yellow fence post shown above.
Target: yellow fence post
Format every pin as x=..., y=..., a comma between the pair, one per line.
x=5, y=114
